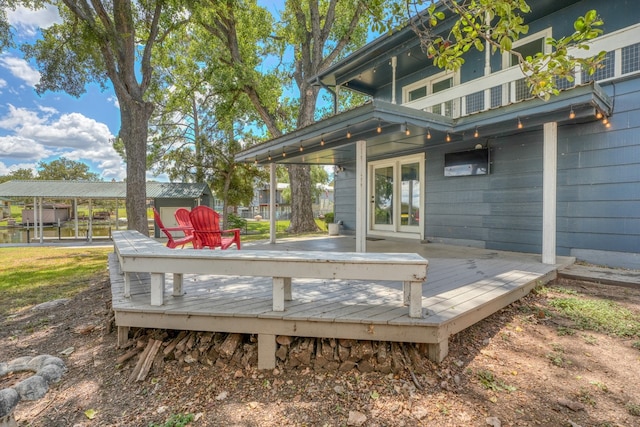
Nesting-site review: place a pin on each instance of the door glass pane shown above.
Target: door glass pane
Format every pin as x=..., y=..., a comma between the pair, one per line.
x=383, y=198
x=410, y=187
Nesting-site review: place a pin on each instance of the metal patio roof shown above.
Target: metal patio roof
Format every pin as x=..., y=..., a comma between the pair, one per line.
x=99, y=189
x=384, y=126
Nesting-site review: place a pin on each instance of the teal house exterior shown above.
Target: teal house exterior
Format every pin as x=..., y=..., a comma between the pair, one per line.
x=471, y=158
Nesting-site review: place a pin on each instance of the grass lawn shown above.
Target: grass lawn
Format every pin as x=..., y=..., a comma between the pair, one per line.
x=33, y=275
x=30, y=276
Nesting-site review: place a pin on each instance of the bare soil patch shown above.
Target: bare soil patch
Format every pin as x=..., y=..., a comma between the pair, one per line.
x=526, y=365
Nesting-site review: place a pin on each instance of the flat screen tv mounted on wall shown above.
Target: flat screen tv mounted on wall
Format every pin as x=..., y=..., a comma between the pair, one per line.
x=465, y=163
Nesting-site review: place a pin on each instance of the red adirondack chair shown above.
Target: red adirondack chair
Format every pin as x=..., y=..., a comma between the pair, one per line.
x=173, y=241
x=206, y=228
x=184, y=222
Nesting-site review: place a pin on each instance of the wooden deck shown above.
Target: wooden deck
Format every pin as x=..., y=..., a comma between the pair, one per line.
x=458, y=293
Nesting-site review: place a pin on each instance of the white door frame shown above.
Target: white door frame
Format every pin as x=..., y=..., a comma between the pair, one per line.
x=395, y=229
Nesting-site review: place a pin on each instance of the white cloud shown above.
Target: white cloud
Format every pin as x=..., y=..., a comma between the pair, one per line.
x=28, y=21
x=6, y=170
x=3, y=83
x=39, y=134
x=20, y=69
x=22, y=148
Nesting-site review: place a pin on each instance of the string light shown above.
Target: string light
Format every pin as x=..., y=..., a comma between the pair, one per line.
x=269, y=155
x=255, y=162
x=428, y=133
x=301, y=147
x=348, y=133
x=520, y=125
x=284, y=154
x=476, y=133
x=572, y=114
x=406, y=130
x=379, y=127
x=598, y=114
x=448, y=138
x=322, y=140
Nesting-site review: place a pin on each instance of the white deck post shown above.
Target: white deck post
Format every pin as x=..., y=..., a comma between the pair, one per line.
x=178, y=281
x=273, y=187
x=266, y=351
x=361, y=196
x=549, y=190
x=157, y=288
x=279, y=293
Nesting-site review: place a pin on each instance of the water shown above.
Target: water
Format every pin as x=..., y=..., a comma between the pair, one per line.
x=19, y=234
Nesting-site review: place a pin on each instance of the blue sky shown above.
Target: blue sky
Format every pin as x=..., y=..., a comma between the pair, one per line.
x=42, y=128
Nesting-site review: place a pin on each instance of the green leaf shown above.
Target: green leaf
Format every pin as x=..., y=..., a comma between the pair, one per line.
x=90, y=413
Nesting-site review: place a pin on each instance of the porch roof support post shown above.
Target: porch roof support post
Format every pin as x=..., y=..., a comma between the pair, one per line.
x=361, y=196
x=549, y=189
x=41, y=218
x=75, y=217
x=273, y=185
x=90, y=228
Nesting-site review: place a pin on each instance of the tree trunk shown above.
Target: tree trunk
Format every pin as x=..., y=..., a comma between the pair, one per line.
x=134, y=130
x=301, y=204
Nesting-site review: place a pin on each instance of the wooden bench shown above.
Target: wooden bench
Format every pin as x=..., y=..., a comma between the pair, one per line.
x=140, y=254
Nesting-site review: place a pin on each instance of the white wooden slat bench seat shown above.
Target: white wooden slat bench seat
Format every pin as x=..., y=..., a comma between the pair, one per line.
x=140, y=254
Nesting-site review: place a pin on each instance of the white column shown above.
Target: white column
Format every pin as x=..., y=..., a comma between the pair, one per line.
x=273, y=187
x=361, y=196
x=75, y=216
x=40, y=218
x=90, y=228
x=394, y=63
x=549, y=189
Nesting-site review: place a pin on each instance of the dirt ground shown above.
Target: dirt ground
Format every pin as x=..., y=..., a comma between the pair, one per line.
x=524, y=366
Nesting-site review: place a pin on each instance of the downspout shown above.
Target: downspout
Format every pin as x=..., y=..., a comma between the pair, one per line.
x=332, y=92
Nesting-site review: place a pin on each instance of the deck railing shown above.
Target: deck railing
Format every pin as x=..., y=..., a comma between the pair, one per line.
x=508, y=86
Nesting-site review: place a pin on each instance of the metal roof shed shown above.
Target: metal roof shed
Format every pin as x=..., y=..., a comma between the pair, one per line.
x=165, y=194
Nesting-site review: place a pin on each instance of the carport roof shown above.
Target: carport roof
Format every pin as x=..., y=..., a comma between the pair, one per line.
x=99, y=189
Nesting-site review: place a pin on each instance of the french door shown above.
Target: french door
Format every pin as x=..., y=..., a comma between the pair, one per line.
x=395, y=195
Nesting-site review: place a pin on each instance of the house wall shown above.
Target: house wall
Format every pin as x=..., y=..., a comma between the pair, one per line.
x=598, y=199
x=598, y=183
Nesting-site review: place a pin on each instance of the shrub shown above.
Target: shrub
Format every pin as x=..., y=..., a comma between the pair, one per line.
x=328, y=218
x=236, y=222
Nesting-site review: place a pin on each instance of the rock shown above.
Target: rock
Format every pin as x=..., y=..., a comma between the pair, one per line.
x=366, y=366
x=284, y=339
x=9, y=398
x=356, y=418
x=67, y=351
x=222, y=395
x=281, y=353
x=493, y=422
x=574, y=406
x=32, y=388
x=51, y=304
x=420, y=413
x=51, y=373
x=347, y=365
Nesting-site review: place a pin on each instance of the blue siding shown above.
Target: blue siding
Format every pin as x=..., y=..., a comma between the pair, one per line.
x=598, y=183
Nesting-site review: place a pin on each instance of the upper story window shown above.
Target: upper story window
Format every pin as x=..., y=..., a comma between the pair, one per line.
x=527, y=46
x=430, y=86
